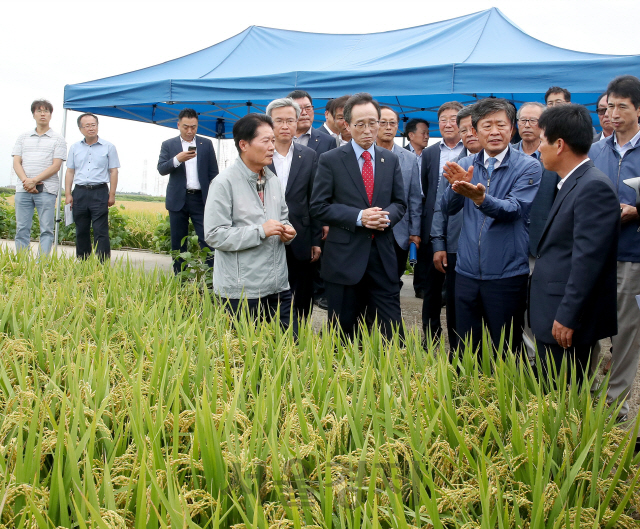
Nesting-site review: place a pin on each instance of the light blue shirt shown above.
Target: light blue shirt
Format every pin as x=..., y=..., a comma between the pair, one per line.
x=92, y=162
x=622, y=149
x=448, y=154
x=359, y=150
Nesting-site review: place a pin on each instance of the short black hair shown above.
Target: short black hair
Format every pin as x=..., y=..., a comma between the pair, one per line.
x=604, y=94
x=491, y=105
x=361, y=98
x=187, y=113
x=246, y=128
x=570, y=122
x=39, y=103
x=392, y=110
x=89, y=114
x=558, y=90
x=464, y=112
x=299, y=94
x=627, y=86
x=412, y=125
x=329, y=106
x=339, y=102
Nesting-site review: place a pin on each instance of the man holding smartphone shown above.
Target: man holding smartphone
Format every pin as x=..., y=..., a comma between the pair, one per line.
x=191, y=164
x=37, y=157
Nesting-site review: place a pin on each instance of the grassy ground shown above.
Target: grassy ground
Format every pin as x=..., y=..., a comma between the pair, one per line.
x=130, y=399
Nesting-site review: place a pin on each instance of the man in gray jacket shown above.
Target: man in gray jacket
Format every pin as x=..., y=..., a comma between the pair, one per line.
x=246, y=222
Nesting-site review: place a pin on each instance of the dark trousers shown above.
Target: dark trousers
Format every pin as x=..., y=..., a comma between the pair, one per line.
x=424, y=260
x=265, y=307
x=450, y=284
x=91, y=208
x=499, y=303
x=432, y=302
x=179, y=222
x=401, y=255
x=579, y=354
x=301, y=284
x=375, y=295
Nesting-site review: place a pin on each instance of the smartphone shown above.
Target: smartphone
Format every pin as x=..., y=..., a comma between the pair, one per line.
x=191, y=148
x=39, y=188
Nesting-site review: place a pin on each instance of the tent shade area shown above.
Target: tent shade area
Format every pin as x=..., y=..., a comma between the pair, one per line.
x=413, y=70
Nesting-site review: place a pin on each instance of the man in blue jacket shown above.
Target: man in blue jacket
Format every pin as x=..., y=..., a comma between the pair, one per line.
x=618, y=157
x=495, y=190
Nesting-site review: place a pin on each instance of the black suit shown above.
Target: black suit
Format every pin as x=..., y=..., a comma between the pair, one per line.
x=574, y=280
x=541, y=206
x=180, y=204
x=298, y=195
x=320, y=142
x=359, y=265
x=426, y=277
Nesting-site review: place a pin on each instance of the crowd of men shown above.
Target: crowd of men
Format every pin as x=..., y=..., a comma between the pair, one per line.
x=522, y=215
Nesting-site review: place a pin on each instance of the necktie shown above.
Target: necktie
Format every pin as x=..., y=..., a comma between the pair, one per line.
x=492, y=164
x=367, y=174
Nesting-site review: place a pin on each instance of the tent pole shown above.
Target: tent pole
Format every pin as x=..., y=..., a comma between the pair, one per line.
x=61, y=178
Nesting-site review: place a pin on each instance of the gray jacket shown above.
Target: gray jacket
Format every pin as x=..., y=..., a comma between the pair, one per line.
x=410, y=223
x=247, y=264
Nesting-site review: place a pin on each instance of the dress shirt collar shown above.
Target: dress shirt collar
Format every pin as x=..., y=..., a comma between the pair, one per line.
x=561, y=182
x=631, y=143
x=443, y=146
x=499, y=158
x=331, y=133
x=48, y=133
x=308, y=133
x=288, y=155
x=359, y=150
x=192, y=142
x=535, y=154
x=84, y=140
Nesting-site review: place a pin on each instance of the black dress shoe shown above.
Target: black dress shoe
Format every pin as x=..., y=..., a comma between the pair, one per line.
x=321, y=303
x=420, y=294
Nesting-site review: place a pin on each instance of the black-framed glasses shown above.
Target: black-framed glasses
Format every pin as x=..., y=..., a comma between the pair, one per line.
x=385, y=124
x=532, y=121
x=371, y=124
x=601, y=111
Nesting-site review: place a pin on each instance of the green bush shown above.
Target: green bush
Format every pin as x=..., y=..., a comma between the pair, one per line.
x=131, y=399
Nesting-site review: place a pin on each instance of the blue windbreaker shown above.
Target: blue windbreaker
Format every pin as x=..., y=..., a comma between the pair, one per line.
x=494, y=242
x=606, y=158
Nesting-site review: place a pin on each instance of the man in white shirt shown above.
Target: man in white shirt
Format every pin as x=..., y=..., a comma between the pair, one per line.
x=295, y=166
x=37, y=157
x=191, y=164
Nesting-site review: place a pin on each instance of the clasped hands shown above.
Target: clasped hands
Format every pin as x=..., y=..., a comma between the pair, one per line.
x=274, y=227
x=460, y=181
x=375, y=219
x=30, y=185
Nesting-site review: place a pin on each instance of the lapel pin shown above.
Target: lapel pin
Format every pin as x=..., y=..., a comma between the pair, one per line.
x=299, y=155
x=382, y=160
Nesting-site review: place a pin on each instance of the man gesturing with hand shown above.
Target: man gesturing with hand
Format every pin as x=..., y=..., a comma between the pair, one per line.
x=358, y=192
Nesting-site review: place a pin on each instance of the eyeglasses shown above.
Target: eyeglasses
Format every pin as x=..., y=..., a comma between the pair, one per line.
x=279, y=121
x=371, y=124
x=385, y=124
x=307, y=109
x=90, y=126
x=533, y=121
x=601, y=111
x=449, y=120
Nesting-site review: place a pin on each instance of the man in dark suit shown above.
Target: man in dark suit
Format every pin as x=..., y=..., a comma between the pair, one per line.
x=603, y=117
x=573, y=286
x=428, y=278
x=359, y=193
x=191, y=164
x=295, y=167
x=306, y=135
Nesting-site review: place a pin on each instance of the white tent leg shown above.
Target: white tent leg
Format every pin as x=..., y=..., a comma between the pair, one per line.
x=60, y=187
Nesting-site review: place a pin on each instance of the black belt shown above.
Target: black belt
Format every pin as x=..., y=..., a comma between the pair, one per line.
x=194, y=191
x=93, y=186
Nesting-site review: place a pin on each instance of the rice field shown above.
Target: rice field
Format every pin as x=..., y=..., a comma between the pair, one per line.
x=130, y=399
x=130, y=206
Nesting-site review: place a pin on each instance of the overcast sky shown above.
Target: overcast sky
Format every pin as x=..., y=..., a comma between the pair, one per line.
x=46, y=45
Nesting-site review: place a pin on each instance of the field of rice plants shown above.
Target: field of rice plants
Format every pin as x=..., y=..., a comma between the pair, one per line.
x=130, y=399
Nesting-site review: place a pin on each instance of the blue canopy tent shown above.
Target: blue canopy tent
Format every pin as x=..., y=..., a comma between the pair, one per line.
x=414, y=70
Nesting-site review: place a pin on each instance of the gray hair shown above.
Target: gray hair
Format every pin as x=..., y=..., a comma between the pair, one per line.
x=531, y=104
x=465, y=112
x=281, y=103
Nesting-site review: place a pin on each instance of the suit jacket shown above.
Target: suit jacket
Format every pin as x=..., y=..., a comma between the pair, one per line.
x=410, y=223
x=574, y=280
x=177, y=186
x=320, y=142
x=337, y=199
x=298, y=196
x=429, y=176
